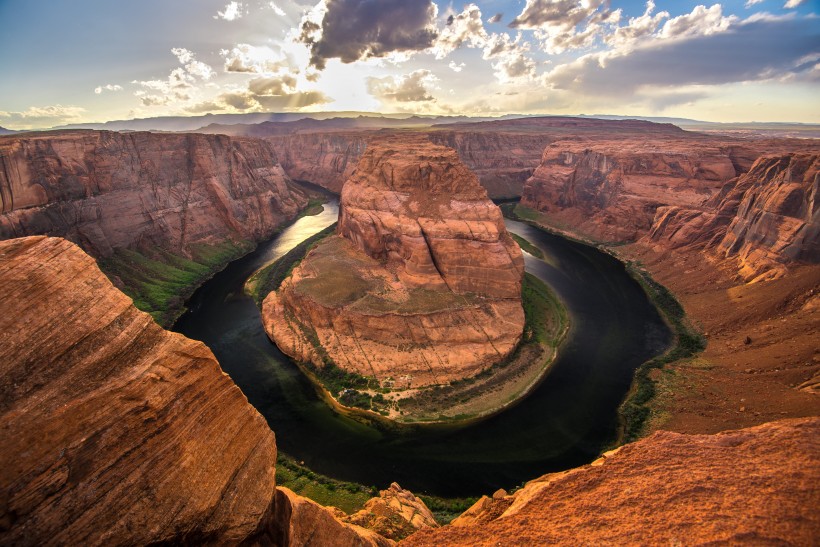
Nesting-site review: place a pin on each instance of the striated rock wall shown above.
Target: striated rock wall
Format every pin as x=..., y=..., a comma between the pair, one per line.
x=106, y=190
x=611, y=191
x=114, y=430
x=421, y=286
x=763, y=220
x=326, y=159
x=752, y=486
x=502, y=161
x=421, y=209
x=117, y=432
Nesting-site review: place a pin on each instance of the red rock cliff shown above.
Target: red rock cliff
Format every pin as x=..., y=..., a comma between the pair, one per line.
x=106, y=190
x=761, y=222
x=756, y=486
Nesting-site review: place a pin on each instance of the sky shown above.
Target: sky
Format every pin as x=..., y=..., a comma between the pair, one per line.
x=75, y=61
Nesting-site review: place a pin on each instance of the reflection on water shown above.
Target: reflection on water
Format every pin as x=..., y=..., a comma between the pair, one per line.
x=567, y=420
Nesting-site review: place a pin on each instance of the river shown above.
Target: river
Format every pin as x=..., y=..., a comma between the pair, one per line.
x=565, y=422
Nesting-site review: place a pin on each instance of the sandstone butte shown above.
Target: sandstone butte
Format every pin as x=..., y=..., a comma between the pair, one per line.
x=421, y=285
x=117, y=432
x=147, y=191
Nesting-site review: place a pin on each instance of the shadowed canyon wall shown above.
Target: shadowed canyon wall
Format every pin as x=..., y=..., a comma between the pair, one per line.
x=106, y=190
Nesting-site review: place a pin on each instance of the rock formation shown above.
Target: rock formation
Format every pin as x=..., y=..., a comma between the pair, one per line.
x=611, y=190
x=765, y=219
x=395, y=514
x=106, y=190
x=752, y=486
x=422, y=284
x=117, y=432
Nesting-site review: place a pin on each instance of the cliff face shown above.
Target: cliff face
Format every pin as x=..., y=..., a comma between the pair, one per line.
x=502, y=161
x=113, y=428
x=326, y=159
x=116, y=431
x=611, y=191
x=107, y=190
x=756, y=485
x=421, y=286
x=764, y=220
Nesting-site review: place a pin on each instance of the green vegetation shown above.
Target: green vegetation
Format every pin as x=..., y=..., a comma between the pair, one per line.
x=268, y=279
x=161, y=282
x=545, y=317
x=347, y=496
x=314, y=207
x=635, y=409
x=528, y=247
x=446, y=509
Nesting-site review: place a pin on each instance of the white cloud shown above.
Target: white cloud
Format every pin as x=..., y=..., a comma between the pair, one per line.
x=750, y=3
x=38, y=117
x=791, y=4
x=456, y=67
x=253, y=59
x=702, y=21
x=276, y=9
x=194, y=67
x=464, y=28
x=107, y=87
x=412, y=87
x=563, y=25
x=233, y=10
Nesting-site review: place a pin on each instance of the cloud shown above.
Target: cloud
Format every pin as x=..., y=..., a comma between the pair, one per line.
x=276, y=9
x=180, y=80
x=35, y=117
x=562, y=25
x=750, y=3
x=107, y=87
x=351, y=30
x=233, y=10
x=253, y=59
x=464, y=28
x=194, y=67
x=495, y=18
x=790, y=4
x=756, y=49
x=409, y=88
x=456, y=67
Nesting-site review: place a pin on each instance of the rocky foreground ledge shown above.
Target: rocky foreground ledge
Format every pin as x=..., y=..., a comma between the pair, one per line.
x=116, y=432
x=422, y=283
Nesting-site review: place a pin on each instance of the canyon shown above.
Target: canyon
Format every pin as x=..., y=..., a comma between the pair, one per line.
x=123, y=432
x=172, y=208
x=420, y=286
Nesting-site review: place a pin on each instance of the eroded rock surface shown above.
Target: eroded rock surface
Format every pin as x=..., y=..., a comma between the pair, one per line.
x=756, y=485
x=764, y=220
x=421, y=286
x=106, y=190
x=117, y=432
x=395, y=513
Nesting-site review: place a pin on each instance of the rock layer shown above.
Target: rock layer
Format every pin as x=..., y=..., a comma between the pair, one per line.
x=106, y=190
x=114, y=429
x=764, y=220
x=757, y=485
x=421, y=286
x=117, y=432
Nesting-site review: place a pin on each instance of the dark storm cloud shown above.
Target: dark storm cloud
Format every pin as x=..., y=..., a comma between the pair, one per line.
x=358, y=29
x=755, y=50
